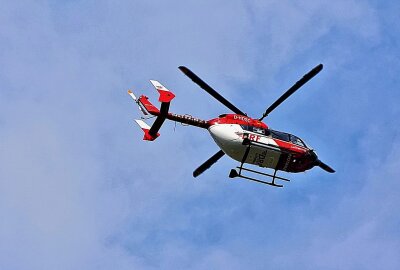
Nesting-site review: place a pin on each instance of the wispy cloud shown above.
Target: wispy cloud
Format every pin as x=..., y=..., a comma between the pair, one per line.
x=79, y=189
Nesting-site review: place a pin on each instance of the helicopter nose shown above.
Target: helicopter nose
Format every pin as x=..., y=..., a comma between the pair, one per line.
x=310, y=160
x=313, y=155
x=319, y=163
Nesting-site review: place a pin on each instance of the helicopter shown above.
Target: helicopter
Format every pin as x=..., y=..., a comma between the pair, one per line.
x=245, y=139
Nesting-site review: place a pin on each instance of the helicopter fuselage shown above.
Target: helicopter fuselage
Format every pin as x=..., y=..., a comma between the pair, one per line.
x=289, y=153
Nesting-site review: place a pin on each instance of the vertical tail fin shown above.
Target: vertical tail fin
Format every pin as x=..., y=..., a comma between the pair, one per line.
x=165, y=94
x=146, y=129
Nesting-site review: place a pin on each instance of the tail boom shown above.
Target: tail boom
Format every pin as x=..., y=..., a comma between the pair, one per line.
x=184, y=119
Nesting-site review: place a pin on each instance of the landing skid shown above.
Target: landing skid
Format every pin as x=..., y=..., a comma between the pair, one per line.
x=233, y=173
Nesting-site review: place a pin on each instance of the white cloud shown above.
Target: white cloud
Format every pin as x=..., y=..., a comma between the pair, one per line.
x=78, y=189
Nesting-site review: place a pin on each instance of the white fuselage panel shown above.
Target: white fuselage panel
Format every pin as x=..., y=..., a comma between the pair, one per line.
x=229, y=138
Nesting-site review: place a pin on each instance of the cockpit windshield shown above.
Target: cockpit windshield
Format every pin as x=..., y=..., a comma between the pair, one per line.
x=287, y=138
x=297, y=140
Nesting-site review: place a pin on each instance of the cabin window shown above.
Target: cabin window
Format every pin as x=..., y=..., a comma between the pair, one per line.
x=280, y=135
x=258, y=130
x=248, y=128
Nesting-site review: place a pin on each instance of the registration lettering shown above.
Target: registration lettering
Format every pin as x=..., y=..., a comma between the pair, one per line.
x=243, y=118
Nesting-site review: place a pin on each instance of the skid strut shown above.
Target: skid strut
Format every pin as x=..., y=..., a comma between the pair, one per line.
x=233, y=173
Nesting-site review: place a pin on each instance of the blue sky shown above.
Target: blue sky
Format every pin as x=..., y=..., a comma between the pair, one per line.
x=79, y=189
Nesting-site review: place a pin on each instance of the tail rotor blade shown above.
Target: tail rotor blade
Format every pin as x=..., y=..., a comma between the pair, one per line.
x=210, y=90
x=206, y=165
x=293, y=89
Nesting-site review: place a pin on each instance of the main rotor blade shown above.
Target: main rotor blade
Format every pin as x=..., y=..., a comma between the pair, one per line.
x=324, y=166
x=206, y=165
x=210, y=90
x=293, y=89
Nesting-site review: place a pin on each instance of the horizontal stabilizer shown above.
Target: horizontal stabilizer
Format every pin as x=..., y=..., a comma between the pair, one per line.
x=146, y=129
x=165, y=94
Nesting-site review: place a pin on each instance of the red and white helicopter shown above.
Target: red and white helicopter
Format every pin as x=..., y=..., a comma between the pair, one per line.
x=245, y=139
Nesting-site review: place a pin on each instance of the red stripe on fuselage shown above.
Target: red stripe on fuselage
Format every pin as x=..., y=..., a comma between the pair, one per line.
x=237, y=119
x=290, y=147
